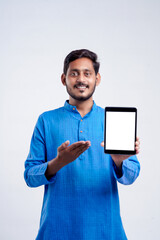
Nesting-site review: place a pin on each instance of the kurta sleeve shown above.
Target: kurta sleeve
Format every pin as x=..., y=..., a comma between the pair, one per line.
x=36, y=162
x=130, y=170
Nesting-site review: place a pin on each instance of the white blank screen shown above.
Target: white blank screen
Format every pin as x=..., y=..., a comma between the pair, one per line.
x=120, y=130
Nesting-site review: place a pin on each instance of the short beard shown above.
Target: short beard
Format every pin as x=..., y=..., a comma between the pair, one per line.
x=81, y=99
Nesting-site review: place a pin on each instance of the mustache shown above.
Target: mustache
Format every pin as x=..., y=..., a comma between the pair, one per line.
x=80, y=85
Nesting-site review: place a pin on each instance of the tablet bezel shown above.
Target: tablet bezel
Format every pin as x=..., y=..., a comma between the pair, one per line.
x=120, y=109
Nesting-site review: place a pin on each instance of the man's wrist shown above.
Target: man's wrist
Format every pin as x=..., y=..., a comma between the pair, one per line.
x=118, y=169
x=118, y=163
x=59, y=162
x=53, y=167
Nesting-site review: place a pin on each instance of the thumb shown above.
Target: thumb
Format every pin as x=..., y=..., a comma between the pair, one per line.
x=102, y=144
x=63, y=145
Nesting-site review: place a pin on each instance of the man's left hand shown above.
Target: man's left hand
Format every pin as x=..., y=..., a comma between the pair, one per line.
x=119, y=158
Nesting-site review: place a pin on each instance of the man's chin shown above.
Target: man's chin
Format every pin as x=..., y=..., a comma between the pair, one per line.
x=81, y=98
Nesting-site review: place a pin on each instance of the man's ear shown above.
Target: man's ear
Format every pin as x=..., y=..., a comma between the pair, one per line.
x=98, y=79
x=63, y=79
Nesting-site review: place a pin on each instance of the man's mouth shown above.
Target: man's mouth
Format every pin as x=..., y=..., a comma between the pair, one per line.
x=81, y=86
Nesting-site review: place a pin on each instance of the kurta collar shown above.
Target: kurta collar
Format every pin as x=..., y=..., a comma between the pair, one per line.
x=71, y=108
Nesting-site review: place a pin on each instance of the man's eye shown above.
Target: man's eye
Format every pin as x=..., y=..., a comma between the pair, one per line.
x=87, y=74
x=73, y=74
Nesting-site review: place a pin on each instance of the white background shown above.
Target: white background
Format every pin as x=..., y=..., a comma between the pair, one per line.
x=35, y=38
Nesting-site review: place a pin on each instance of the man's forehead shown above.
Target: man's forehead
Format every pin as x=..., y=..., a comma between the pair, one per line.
x=81, y=64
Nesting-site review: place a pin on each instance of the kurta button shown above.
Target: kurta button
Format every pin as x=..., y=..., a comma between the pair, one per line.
x=81, y=120
x=81, y=131
x=73, y=108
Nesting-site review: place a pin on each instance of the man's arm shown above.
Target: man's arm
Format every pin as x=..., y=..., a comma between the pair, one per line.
x=38, y=171
x=129, y=171
x=126, y=168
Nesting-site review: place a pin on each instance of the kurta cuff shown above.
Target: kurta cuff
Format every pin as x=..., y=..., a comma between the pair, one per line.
x=36, y=176
x=130, y=171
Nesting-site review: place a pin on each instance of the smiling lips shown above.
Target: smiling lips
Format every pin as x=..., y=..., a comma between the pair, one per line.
x=81, y=86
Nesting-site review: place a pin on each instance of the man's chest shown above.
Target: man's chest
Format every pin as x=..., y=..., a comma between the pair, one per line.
x=74, y=130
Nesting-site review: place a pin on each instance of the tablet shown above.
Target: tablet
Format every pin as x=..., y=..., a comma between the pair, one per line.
x=120, y=130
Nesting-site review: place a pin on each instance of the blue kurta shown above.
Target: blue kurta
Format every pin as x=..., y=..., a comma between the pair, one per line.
x=81, y=200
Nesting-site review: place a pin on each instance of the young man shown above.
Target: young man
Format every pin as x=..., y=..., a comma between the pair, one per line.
x=66, y=156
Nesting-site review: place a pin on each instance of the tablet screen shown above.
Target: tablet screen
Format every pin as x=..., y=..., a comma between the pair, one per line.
x=120, y=130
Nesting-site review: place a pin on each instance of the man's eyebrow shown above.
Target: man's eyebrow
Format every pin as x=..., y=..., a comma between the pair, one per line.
x=78, y=70
x=75, y=70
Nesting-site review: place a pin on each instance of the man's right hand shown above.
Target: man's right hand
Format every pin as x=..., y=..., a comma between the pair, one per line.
x=65, y=155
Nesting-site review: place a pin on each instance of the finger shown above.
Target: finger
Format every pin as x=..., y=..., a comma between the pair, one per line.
x=137, y=140
x=80, y=148
x=77, y=145
x=137, y=143
x=63, y=146
x=137, y=148
x=102, y=144
x=80, y=151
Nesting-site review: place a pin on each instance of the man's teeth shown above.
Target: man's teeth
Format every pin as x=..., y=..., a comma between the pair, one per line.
x=82, y=87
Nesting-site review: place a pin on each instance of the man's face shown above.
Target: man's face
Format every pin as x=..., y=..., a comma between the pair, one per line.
x=81, y=80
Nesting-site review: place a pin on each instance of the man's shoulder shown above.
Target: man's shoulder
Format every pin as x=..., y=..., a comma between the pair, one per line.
x=100, y=109
x=52, y=113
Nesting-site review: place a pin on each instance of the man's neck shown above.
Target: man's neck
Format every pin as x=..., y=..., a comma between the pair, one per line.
x=83, y=107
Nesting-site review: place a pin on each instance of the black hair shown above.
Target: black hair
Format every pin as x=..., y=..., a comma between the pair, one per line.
x=76, y=54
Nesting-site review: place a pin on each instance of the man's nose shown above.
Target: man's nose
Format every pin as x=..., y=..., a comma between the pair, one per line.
x=81, y=77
